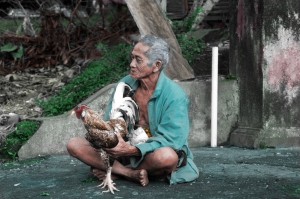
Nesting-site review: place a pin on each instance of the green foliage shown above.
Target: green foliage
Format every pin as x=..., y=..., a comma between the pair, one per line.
x=190, y=47
x=109, y=69
x=9, y=25
x=8, y=47
x=190, y=20
x=184, y=26
x=14, y=141
x=231, y=77
x=17, y=52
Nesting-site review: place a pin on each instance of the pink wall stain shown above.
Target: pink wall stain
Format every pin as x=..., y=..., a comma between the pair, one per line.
x=285, y=69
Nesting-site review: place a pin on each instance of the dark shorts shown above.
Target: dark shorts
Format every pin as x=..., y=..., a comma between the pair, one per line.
x=182, y=158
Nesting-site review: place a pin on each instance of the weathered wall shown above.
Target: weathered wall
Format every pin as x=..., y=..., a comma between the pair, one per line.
x=199, y=93
x=266, y=57
x=282, y=71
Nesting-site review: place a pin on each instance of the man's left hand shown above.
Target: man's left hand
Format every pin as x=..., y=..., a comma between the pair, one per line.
x=122, y=149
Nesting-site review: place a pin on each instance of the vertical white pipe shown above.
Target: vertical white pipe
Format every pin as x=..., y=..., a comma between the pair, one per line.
x=214, y=98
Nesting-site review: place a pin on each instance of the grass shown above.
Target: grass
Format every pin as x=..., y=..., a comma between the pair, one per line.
x=109, y=69
x=24, y=130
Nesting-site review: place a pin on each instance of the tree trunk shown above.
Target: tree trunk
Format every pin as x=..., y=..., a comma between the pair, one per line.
x=207, y=7
x=151, y=20
x=163, y=5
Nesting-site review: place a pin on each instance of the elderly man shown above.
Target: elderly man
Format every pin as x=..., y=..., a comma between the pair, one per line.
x=163, y=107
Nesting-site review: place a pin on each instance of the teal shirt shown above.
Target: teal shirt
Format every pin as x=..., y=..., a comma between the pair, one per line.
x=168, y=111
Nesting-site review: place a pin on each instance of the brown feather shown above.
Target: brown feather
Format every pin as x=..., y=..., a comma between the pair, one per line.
x=99, y=132
x=102, y=134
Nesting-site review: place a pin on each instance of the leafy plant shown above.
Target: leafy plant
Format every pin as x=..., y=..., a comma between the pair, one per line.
x=9, y=47
x=191, y=47
x=14, y=141
x=185, y=26
x=191, y=20
x=110, y=68
x=16, y=51
x=19, y=53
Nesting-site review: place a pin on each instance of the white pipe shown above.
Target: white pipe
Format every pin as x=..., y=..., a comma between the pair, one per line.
x=214, y=98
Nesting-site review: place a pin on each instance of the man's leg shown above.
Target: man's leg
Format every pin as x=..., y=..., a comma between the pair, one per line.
x=161, y=162
x=81, y=149
x=158, y=163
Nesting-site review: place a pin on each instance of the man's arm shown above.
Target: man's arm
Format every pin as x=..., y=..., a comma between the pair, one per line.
x=123, y=149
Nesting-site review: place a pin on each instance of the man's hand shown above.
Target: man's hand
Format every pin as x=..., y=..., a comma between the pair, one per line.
x=122, y=149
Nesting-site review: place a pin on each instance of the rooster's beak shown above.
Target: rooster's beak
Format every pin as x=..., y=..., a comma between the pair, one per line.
x=72, y=113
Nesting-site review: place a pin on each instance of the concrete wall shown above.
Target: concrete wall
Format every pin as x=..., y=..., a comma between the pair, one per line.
x=54, y=133
x=281, y=70
x=200, y=110
x=265, y=54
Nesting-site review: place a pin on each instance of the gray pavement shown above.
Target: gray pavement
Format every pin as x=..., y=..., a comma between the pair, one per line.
x=224, y=173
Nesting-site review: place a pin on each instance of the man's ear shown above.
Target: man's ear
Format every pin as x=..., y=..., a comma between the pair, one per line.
x=157, y=66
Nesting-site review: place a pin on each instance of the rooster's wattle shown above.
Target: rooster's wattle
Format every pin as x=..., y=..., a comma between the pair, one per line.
x=103, y=134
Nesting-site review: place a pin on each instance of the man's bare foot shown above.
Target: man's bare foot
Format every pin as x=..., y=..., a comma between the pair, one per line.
x=140, y=176
x=101, y=174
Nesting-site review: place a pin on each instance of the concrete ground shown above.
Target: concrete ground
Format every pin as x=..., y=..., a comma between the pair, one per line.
x=224, y=173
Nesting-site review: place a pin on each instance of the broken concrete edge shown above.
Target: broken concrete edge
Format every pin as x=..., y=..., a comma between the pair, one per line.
x=54, y=132
x=89, y=100
x=98, y=93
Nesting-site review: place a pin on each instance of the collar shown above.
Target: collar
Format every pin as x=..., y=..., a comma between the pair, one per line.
x=158, y=89
x=159, y=86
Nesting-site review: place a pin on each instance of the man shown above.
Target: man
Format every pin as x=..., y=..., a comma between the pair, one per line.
x=163, y=107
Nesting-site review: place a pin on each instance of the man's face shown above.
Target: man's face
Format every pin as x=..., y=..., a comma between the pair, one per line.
x=139, y=68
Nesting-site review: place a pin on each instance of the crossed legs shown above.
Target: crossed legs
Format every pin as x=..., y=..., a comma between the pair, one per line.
x=158, y=163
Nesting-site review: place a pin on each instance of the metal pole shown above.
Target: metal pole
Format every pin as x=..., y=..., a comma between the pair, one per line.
x=214, y=98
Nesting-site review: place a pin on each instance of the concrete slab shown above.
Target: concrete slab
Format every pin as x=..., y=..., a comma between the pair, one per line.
x=55, y=132
x=224, y=173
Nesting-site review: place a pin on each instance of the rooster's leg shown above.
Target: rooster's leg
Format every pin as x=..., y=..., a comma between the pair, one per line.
x=108, y=182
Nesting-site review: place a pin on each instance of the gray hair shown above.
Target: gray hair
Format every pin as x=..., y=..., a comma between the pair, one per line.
x=159, y=49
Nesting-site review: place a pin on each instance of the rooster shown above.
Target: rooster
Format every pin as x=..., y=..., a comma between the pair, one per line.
x=123, y=119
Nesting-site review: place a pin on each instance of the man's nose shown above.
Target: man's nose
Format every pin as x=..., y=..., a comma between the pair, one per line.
x=132, y=64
